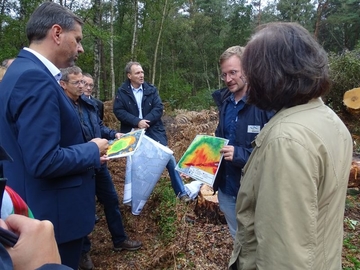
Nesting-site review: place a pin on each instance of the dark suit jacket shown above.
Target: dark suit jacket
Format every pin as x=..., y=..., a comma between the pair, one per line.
x=53, y=168
x=98, y=129
x=127, y=112
x=100, y=107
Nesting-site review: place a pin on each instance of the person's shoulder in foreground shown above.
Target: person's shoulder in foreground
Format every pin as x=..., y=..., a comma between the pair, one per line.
x=26, y=246
x=291, y=203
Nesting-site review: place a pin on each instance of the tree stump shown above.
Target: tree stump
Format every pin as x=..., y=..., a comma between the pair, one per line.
x=351, y=100
x=354, y=178
x=207, y=206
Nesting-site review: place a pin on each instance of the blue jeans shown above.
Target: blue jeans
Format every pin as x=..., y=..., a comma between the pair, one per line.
x=107, y=196
x=176, y=181
x=227, y=205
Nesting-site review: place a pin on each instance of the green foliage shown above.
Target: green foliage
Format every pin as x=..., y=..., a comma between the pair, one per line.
x=165, y=212
x=351, y=223
x=240, y=22
x=269, y=13
x=351, y=236
x=339, y=28
x=195, y=34
x=352, y=250
x=301, y=11
x=179, y=96
x=12, y=38
x=202, y=100
x=344, y=74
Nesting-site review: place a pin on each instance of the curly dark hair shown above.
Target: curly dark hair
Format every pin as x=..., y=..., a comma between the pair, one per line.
x=285, y=66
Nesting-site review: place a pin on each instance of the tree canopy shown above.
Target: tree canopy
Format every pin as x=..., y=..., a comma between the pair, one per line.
x=179, y=42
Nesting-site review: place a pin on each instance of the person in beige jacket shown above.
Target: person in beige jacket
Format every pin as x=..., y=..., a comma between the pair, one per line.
x=290, y=207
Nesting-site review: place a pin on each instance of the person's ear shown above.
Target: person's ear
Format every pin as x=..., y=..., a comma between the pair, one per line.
x=56, y=32
x=62, y=84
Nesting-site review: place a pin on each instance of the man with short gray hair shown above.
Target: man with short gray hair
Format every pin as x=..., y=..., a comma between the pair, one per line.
x=73, y=83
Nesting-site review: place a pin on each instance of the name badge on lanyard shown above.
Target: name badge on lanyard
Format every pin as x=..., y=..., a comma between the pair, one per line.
x=253, y=129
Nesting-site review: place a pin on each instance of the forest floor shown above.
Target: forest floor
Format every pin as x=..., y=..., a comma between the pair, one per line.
x=196, y=243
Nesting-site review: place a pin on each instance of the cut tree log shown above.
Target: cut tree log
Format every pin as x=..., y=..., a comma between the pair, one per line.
x=207, y=206
x=354, y=178
x=351, y=100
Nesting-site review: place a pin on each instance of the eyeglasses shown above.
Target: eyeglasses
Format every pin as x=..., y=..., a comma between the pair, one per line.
x=77, y=83
x=232, y=74
x=89, y=85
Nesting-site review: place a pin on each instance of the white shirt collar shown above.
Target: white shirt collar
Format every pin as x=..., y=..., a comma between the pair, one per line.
x=50, y=66
x=136, y=89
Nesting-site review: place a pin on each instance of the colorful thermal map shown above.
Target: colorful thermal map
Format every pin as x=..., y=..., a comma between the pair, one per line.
x=126, y=145
x=203, y=153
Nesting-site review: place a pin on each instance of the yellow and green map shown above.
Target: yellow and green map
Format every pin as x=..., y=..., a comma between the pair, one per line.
x=202, y=159
x=126, y=145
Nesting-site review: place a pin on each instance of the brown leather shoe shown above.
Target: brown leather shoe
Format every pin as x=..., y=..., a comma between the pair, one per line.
x=86, y=262
x=128, y=245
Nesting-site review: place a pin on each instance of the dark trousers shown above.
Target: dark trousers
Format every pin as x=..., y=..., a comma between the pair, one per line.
x=107, y=196
x=70, y=253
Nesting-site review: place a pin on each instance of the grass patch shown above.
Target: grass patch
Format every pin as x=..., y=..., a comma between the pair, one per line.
x=351, y=245
x=165, y=211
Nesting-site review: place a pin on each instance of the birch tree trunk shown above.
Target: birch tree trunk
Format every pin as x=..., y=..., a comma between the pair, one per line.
x=112, y=73
x=158, y=41
x=134, y=39
x=2, y=13
x=97, y=46
x=322, y=5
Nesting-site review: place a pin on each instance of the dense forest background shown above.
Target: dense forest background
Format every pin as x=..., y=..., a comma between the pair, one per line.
x=178, y=42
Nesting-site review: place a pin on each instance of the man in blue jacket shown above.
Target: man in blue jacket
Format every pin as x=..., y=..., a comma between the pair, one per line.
x=72, y=82
x=239, y=123
x=88, y=89
x=53, y=168
x=138, y=105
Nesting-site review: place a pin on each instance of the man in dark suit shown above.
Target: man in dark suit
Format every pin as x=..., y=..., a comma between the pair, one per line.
x=88, y=89
x=53, y=168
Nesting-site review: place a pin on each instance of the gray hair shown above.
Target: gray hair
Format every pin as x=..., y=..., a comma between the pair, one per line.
x=129, y=65
x=45, y=16
x=88, y=75
x=65, y=72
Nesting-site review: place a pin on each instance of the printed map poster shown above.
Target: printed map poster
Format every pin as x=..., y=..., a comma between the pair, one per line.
x=126, y=145
x=201, y=161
